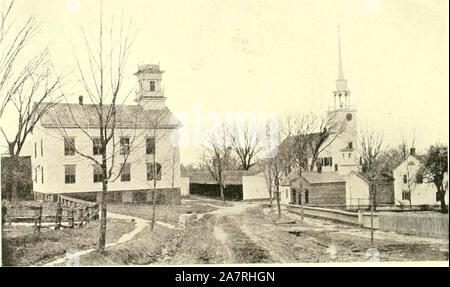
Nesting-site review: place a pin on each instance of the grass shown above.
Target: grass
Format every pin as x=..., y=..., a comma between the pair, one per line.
x=22, y=247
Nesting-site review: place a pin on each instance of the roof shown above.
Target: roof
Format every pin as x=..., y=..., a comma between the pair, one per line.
x=313, y=177
x=288, y=142
x=86, y=116
x=322, y=177
x=205, y=177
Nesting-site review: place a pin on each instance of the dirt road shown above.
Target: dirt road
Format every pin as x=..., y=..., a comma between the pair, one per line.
x=248, y=233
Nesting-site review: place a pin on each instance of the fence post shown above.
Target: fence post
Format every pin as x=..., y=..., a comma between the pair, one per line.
x=88, y=215
x=58, y=216
x=301, y=212
x=37, y=223
x=72, y=218
x=81, y=216
x=4, y=211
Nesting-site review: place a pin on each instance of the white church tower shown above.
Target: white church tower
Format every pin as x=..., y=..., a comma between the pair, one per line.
x=344, y=149
x=150, y=94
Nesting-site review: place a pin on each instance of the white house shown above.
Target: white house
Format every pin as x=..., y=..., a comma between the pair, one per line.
x=410, y=188
x=59, y=168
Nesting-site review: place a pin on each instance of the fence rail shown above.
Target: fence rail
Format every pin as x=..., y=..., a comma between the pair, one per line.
x=69, y=212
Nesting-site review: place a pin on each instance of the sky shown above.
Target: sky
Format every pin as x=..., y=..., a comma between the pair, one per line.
x=266, y=56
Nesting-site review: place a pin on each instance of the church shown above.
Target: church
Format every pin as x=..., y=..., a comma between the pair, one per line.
x=335, y=179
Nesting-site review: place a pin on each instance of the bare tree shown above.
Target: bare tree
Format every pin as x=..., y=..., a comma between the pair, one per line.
x=217, y=158
x=298, y=130
x=273, y=174
x=371, y=148
x=102, y=79
x=245, y=142
x=329, y=129
x=29, y=100
x=14, y=38
x=156, y=133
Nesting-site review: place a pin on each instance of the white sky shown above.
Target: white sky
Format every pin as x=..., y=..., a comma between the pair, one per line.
x=266, y=56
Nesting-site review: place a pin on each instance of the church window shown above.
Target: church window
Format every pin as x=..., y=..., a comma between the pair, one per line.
x=152, y=86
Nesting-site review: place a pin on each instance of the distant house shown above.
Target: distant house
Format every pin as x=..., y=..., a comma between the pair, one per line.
x=409, y=186
x=23, y=178
x=239, y=184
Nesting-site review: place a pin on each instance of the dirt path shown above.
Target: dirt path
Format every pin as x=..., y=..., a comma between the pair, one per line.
x=246, y=232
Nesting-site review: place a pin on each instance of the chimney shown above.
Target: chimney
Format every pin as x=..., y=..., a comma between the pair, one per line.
x=412, y=151
x=80, y=100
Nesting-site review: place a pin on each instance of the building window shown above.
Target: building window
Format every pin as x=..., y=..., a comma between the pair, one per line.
x=405, y=178
x=42, y=174
x=350, y=145
x=349, y=155
x=124, y=145
x=331, y=161
x=126, y=172
x=42, y=147
x=152, y=86
x=35, y=150
x=306, y=196
x=98, y=173
x=406, y=195
x=153, y=171
x=437, y=196
x=336, y=167
x=69, y=146
x=326, y=161
x=96, y=146
x=287, y=193
x=35, y=174
x=150, y=147
x=343, y=155
x=69, y=171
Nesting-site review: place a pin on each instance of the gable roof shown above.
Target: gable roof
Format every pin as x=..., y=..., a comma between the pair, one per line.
x=322, y=177
x=289, y=142
x=313, y=177
x=86, y=116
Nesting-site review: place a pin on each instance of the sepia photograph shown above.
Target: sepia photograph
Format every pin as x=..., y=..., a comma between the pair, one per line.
x=221, y=133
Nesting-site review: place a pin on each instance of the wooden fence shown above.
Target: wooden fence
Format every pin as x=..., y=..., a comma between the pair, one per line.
x=68, y=213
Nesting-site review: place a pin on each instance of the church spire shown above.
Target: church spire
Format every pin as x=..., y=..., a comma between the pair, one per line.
x=341, y=69
x=342, y=94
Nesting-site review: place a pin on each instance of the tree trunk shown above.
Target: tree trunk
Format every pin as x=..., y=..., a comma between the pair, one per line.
x=441, y=193
x=271, y=196
x=13, y=167
x=102, y=239
x=153, y=210
x=222, y=192
x=278, y=204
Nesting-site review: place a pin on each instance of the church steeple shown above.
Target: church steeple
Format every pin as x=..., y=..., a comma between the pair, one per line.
x=341, y=94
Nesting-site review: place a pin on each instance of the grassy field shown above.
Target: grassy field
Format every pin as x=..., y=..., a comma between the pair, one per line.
x=23, y=247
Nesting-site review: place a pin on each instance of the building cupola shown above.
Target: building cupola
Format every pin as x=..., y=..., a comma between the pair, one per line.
x=150, y=94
